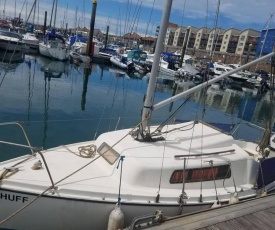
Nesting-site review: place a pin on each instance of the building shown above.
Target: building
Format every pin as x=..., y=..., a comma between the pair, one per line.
x=132, y=39
x=215, y=39
x=192, y=37
x=266, y=42
x=179, y=36
x=247, y=37
x=230, y=40
x=147, y=41
x=201, y=38
x=170, y=33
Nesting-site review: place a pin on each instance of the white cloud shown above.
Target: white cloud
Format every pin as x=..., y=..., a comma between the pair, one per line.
x=235, y=13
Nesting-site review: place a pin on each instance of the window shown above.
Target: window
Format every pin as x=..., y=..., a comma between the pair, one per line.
x=224, y=43
x=201, y=174
x=226, y=36
x=199, y=34
x=242, y=38
x=223, y=47
x=241, y=44
x=239, y=49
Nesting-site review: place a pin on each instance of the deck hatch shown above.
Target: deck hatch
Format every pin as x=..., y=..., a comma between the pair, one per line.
x=108, y=153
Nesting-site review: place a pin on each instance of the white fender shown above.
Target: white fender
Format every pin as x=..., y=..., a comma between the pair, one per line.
x=234, y=199
x=116, y=219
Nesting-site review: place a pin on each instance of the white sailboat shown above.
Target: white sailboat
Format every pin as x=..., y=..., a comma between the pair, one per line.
x=177, y=168
x=54, y=47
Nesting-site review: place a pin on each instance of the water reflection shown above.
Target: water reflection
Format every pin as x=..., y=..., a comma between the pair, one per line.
x=52, y=68
x=64, y=103
x=245, y=106
x=87, y=72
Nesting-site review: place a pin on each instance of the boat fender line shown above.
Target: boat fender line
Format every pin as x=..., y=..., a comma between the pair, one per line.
x=116, y=219
x=234, y=199
x=37, y=165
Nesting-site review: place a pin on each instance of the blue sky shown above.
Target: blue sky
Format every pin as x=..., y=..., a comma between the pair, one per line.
x=144, y=15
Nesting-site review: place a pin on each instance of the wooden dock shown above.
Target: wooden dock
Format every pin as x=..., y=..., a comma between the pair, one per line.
x=255, y=214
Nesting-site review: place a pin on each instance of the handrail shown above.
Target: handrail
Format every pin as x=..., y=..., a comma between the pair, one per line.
x=24, y=132
x=29, y=147
x=178, y=157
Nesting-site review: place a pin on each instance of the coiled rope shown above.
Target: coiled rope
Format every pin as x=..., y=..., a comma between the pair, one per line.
x=88, y=151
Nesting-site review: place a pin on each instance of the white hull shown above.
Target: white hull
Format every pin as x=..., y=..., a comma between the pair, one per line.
x=10, y=44
x=78, y=57
x=58, y=53
x=58, y=213
x=80, y=47
x=116, y=61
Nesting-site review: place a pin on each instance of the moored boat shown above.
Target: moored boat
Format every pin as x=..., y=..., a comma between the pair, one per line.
x=10, y=41
x=30, y=42
x=54, y=47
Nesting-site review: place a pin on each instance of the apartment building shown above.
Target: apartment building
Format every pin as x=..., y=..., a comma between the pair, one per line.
x=170, y=33
x=202, y=38
x=230, y=40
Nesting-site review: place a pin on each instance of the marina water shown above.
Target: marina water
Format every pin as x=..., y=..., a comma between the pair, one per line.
x=61, y=103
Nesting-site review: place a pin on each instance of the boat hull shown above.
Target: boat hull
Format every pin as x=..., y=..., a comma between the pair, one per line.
x=11, y=46
x=57, y=212
x=60, y=54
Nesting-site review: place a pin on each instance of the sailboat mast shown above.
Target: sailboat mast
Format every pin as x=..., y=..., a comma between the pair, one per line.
x=52, y=14
x=55, y=13
x=215, y=32
x=146, y=113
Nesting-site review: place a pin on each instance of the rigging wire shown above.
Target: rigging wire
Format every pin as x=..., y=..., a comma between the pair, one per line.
x=161, y=171
x=265, y=141
x=266, y=26
x=215, y=39
x=183, y=12
x=159, y=128
x=150, y=18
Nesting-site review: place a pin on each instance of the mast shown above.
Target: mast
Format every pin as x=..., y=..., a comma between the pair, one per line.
x=4, y=9
x=52, y=14
x=33, y=7
x=213, y=47
x=146, y=113
x=55, y=13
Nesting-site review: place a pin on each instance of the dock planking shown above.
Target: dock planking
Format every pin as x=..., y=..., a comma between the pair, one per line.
x=253, y=214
